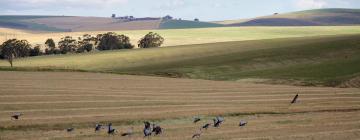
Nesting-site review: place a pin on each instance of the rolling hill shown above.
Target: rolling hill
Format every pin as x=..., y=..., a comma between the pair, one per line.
x=78, y=24
x=317, y=17
x=327, y=60
x=20, y=22
x=183, y=24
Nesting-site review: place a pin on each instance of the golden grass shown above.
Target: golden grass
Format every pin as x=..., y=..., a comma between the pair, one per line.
x=54, y=101
x=176, y=37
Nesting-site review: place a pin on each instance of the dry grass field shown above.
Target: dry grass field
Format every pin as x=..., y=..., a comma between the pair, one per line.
x=54, y=101
x=174, y=37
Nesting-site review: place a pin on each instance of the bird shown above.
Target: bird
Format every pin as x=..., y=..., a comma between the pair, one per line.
x=98, y=127
x=242, y=123
x=16, y=116
x=147, y=129
x=70, y=129
x=295, y=99
x=206, y=126
x=157, y=129
x=218, y=121
x=196, y=119
x=129, y=133
x=197, y=135
x=110, y=129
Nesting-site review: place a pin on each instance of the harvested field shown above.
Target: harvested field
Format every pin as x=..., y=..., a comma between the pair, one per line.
x=54, y=101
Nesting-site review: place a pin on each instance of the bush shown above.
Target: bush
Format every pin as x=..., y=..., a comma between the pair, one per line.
x=113, y=41
x=151, y=40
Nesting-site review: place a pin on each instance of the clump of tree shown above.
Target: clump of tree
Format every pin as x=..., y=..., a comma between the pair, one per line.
x=13, y=48
x=50, y=47
x=67, y=45
x=36, y=51
x=86, y=44
x=151, y=40
x=113, y=41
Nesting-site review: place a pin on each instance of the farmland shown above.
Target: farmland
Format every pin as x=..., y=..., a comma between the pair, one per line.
x=54, y=101
x=314, y=61
x=174, y=37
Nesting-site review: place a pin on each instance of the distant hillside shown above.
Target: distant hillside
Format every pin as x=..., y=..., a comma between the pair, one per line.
x=181, y=24
x=79, y=24
x=20, y=22
x=318, y=17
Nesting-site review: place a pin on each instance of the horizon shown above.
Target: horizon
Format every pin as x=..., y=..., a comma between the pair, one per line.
x=213, y=10
x=170, y=15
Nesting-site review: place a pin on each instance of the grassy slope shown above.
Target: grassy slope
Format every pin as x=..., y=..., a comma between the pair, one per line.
x=18, y=22
x=333, y=16
x=312, y=60
x=182, y=24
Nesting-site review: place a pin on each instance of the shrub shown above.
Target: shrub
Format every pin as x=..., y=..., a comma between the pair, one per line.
x=151, y=40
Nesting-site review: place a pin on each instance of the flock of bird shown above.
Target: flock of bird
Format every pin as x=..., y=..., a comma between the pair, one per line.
x=154, y=129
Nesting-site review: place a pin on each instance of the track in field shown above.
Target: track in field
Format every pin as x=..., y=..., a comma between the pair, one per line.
x=54, y=101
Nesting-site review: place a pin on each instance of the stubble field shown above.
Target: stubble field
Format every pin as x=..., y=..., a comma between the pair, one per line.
x=54, y=101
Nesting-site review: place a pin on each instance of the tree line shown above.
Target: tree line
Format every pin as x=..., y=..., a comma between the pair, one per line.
x=14, y=48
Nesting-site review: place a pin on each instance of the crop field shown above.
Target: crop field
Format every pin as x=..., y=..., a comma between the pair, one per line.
x=54, y=101
x=174, y=37
x=325, y=60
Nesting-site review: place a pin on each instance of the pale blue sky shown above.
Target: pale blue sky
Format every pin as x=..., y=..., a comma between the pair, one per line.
x=208, y=10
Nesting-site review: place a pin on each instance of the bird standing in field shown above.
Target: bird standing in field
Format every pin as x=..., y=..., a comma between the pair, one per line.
x=110, y=129
x=157, y=129
x=218, y=121
x=70, y=129
x=98, y=127
x=206, y=126
x=295, y=99
x=196, y=119
x=147, y=129
x=242, y=123
x=197, y=135
x=16, y=116
x=129, y=133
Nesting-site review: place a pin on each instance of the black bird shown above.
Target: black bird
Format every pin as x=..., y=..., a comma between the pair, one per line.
x=157, y=129
x=206, y=126
x=196, y=119
x=243, y=123
x=70, y=129
x=16, y=116
x=98, y=127
x=110, y=129
x=197, y=135
x=129, y=133
x=295, y=99
x=147, y=129
x=218, y=121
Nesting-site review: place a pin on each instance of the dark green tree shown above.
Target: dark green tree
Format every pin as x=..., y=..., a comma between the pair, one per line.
x=50, y=47
x=67, y=45
x=14, y=48
x=36, y=51
x=151, y=40
x=113, y=41
x=86, y=44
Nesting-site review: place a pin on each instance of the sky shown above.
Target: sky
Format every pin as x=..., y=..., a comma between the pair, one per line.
x=205, y=10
